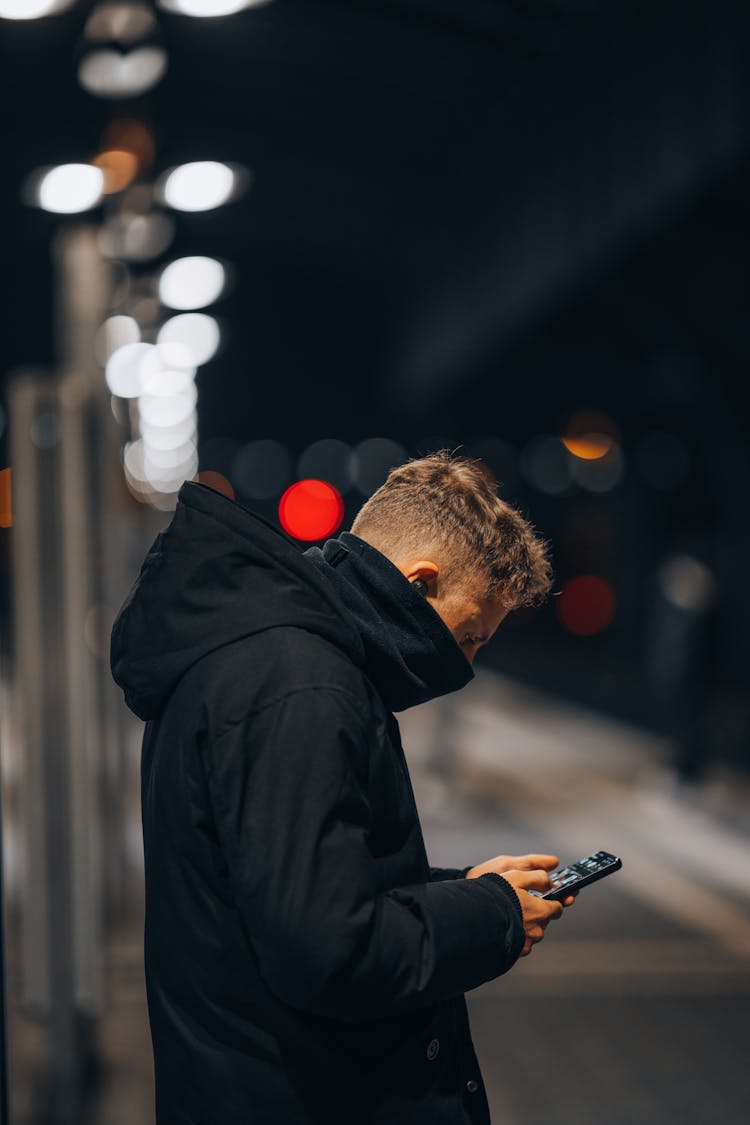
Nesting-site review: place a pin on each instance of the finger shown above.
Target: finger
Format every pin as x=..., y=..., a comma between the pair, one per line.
x=535, y=880
x=569, y=900
x=543, y=861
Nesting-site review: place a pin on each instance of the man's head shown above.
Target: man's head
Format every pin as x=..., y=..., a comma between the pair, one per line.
x=441, y=522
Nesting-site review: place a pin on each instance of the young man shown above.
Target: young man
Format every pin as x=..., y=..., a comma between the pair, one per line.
x=305, y=965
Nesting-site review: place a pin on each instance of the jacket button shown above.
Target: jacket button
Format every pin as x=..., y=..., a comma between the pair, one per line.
x=432, y=1049
x=472, y=1086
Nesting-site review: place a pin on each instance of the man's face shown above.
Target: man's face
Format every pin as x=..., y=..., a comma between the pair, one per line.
x=473, y=620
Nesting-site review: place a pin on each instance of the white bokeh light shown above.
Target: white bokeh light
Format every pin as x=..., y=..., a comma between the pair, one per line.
x=31, y=9
x=107, y=73
x=188, y=340
x=203, y=9
x=70, y=188
x=191, y=283
x=125, y=369
x=199, y=186
x=169, y=437
x=167, y=410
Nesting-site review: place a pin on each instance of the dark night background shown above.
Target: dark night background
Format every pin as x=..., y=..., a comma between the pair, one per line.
x=466, y=221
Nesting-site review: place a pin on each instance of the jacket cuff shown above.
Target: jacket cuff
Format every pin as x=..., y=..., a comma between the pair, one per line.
x=507, y=888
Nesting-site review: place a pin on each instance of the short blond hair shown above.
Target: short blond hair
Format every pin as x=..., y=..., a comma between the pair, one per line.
x=450, y=503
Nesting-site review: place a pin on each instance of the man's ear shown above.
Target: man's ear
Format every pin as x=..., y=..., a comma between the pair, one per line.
x=423, y=571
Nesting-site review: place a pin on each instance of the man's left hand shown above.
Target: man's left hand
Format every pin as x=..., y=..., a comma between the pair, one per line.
x=502, y=863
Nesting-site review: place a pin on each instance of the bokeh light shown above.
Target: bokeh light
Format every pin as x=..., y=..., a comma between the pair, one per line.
x=328, y=459
x=188, y=340
x=311, y=509
x=687, y=583
x=119, y=166
x=598, y=473
x=210, y=8
x=191, y=283
x=124, y=369
x=586, y=605
x=589, y=434
x=31, y=9
x=70, y=188
x=123, y=21
x=114, y=333
x=199, y=186
x=45, y=430
x=107, y=73
x=546, y=464
x=217, y=481
x=6, y=506
x=372, y=460
x=134, y=237
x=262, y=469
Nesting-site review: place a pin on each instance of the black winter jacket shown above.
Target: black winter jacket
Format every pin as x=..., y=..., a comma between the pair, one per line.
x=304, y=964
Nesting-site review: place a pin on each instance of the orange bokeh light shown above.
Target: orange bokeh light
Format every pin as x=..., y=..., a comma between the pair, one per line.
x=589, y=447
x=217, y=481
x=590, y=434
x=586, y=605
x=311, y=509
x=119, y=166
x=6, y=507
x=130, y=135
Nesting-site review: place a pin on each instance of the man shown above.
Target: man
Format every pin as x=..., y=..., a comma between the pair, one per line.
x=304, y=963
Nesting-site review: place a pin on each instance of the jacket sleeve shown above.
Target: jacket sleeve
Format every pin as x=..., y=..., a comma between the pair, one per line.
x=437, y=874
x=287, y=786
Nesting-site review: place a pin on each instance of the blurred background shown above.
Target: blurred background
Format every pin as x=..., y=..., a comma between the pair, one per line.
x=264, y=243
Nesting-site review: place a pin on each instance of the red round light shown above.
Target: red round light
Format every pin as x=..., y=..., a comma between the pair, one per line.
x=586, y=605
x=311, y=509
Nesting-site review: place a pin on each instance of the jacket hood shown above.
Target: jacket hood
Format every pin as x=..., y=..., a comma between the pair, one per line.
x=219, y=573
x=216, y=574
x=411, y=655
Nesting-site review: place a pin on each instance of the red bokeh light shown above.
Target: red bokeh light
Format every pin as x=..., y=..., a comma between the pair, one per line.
x=586, y=605
x=311, y=509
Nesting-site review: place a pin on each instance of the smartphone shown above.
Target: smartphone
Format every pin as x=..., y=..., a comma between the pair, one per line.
x=577, y=875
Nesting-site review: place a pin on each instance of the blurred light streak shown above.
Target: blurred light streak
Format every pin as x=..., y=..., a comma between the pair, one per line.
x=687, y=583
x=199, y=186
x=119, y=166
x=311, y=509
x=69, y=188
x=372, y=460
x=188, y=340
x=586, y=605
x=328, y=459
x=662, y=460
x=107, y=73
x=125, y=21
x=217, y=481
x=191, y=283
x=210, y=8
x=6, y=505
x=546, y=464
x=45, y=430
x=262, y=469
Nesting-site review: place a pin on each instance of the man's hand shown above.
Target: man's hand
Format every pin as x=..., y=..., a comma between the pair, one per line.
x=528, y=873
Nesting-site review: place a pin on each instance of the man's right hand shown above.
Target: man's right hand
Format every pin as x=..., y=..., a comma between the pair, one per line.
x=537, y=912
